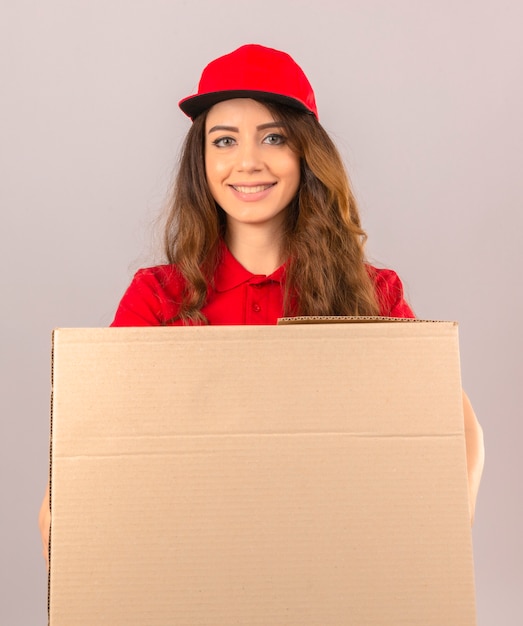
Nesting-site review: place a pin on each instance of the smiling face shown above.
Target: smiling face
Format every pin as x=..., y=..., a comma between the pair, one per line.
x=251, y=170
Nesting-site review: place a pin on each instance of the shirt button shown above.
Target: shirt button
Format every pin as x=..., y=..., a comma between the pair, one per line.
x=256, y=307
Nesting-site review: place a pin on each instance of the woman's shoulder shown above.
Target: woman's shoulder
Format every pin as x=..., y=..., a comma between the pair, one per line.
x=390, y=292
x=162, y=281
x=382, y=275
x=153, y=298
x=168, y=276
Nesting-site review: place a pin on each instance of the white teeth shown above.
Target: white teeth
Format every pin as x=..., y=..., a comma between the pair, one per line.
x=256, y=189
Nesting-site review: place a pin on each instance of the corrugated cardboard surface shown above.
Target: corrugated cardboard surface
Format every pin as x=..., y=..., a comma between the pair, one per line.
x=286, y=475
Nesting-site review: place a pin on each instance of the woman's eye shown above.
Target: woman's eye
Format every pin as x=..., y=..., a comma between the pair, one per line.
x=274, y=139
x=223, y=142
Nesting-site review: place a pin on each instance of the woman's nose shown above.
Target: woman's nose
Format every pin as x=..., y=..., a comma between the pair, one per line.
x=249, y=157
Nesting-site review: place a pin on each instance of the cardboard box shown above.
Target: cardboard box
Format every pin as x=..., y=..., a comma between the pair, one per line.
x=259, y=475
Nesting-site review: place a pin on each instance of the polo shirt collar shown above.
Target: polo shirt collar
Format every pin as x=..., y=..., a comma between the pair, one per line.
x=230, y=273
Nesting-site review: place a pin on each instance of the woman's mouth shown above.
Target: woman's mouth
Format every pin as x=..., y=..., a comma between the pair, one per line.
x=252, y=188
x=252, y=193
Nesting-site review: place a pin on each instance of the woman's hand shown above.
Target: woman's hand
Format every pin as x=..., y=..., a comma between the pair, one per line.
x=44, y=522
x=475, y=453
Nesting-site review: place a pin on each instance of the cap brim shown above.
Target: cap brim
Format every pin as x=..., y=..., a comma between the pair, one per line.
x=193, y=106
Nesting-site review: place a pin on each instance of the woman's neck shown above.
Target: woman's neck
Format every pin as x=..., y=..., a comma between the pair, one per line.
x=257, y=248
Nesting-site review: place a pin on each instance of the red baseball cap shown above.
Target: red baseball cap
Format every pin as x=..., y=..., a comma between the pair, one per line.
x=252, y=71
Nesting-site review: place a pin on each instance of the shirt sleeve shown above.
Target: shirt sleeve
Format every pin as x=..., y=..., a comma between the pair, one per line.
x=152, y=299
x=390, y=294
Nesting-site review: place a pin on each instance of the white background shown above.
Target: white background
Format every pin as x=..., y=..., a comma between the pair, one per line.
x=424, y=100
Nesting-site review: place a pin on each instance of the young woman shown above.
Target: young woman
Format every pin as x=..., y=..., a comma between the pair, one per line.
x=263, y=223
x=262, y=198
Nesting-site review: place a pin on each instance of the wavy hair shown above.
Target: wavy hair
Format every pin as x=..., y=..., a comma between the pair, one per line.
x=323, y=240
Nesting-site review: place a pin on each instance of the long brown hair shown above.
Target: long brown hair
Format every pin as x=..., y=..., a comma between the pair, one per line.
x=323, y=240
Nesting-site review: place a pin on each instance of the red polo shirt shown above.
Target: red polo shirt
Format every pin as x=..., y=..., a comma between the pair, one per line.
x=239, y=297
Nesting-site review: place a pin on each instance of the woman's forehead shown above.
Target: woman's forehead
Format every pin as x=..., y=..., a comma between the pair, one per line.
x=237, y=110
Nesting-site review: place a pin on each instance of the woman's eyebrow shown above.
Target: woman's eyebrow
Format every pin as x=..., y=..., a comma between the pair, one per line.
x=270, y=125
x=235, y=129
x=231, y=129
